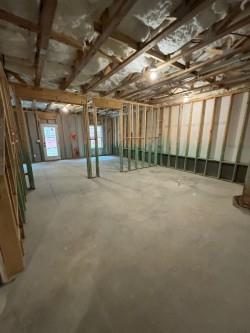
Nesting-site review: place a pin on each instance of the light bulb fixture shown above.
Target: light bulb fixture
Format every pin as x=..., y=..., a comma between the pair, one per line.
x=185, y=99
x=65, y=110
x=153, y=75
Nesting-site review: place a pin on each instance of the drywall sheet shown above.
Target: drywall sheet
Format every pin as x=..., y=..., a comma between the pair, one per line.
x=238, y=111
x=165, y=129
x=174, y=128
x=209, y=109
x=220, y=121
x=185, y=117
x=195, y=125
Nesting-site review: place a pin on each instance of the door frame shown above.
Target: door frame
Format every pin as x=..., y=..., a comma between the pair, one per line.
x=46, y=157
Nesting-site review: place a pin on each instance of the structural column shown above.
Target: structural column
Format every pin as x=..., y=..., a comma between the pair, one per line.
x=244, y=199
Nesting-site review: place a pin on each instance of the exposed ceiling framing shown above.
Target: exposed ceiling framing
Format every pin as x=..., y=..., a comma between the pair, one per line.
x=217, y=57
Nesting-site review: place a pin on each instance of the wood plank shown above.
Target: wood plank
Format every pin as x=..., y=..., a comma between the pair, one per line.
x=115, y=13
x=49, y=95
x=101, y=102
x=121, y=138
x=47, y=14
x=96, y=143
x=183, y=15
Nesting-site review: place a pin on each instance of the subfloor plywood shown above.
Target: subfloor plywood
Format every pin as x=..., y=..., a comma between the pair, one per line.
x=154, y=250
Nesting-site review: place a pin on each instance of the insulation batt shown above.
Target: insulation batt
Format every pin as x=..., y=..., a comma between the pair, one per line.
x=19, y=45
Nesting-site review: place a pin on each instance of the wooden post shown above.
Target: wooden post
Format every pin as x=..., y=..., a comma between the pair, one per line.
x=168, y=136
x=210, y=136
x=97, y=167
x=242, y=135
x=188, y=135
x=225, y=135
x=24, y=141
x=156, y=135
x=87, y=141
x=137, y=129
x=121, y=138
x=178, y=135
x=39, y=134
x=144, y=132
x=129, y=136
x=198, y=147
x=161, y=111
x=150, y=136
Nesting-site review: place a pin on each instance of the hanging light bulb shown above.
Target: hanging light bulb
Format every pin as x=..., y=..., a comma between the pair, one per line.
x=185, y=99
x=153, y=75
x=65, y=110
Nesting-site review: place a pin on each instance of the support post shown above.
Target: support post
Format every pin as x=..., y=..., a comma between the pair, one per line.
x=87, y=141
x=137, y=127
x=178, y=135
x=188, y=135
x=210, y=136
x=23, y=132
x=130, y=109
x=244, y=199
x=198, y=147
x=97, y=167
x=144, y=129
x=121, y=138
x=242, y=136
x=225, y=136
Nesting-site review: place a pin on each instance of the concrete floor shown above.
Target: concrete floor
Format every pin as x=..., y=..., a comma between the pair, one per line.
x=155, y=250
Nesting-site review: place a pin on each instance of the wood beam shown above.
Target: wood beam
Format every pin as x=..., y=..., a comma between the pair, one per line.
x=172, y=77
x=183, y=14
x=47, y=14
x=16, y=76
x=227, y=67
x=48, y=95
x=188, y=51
x=119, y=9
x=34, y=27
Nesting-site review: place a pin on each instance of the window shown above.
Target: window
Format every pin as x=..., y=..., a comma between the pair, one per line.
x=99, y=136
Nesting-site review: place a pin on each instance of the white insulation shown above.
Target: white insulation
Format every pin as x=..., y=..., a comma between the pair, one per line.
x=76, y=19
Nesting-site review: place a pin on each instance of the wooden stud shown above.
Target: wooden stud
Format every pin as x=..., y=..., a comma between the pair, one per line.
x=225, y=136
x=25, y=141
x=137, y=130
x=144, y=134
x=87, y=141
x=168, y=136
x=96, y=142
x=178, y=135
x=210, y=136
x=198, y=147
x=188, y=135
x=129, y=136
x=121, y=138
x=242, y=135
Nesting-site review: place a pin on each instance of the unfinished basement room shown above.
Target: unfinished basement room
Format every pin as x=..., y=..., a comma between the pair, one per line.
x=125, y=166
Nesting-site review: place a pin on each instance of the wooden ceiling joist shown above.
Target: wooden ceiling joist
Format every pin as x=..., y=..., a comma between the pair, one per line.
x=47, y=13
x=167, y=92
x=34, y=27
x=171, y=77
x=48, y=95
x=183, y=14
x=186, y=52
x=118, y=10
